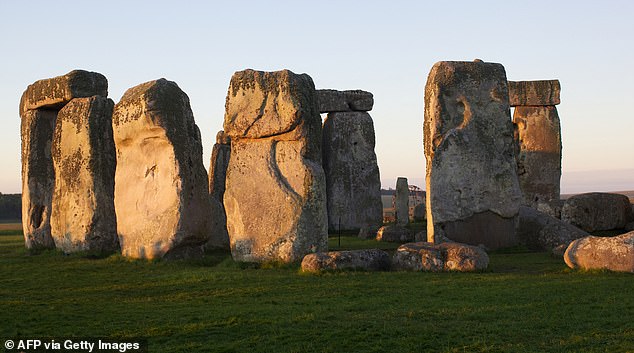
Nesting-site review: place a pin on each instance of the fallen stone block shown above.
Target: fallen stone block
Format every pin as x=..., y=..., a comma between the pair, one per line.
x=450, y=256
x=597, y=211
x=602, y=253
x=395, y=234
x=366, y=260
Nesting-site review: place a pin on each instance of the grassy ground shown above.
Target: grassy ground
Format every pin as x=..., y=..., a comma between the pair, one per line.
x=525, y=302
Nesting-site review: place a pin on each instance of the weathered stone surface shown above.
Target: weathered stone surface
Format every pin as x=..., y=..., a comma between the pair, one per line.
x=472, y=188
x=366, y=260
x=540, y=231
x=275, y=196
x=161, y=192
x=368, y=232
x=597, y=211
x=38, y=179
x=610, y=253
x=401, y=201
x=534, y=93
x=420, y=236
x=54, y=93
x=538, y=137
x=420, y=212
x=331, y=100
x=280, y=105
x=220, y=154
x=83, y=216
x=423, y=256
x=353, y=184
x=395, y=234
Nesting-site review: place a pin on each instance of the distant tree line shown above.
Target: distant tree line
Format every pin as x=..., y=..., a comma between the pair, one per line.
x=10, y=206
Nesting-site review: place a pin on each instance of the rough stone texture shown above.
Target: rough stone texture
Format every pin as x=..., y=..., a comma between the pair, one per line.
x=421, y=236
x=534, y=93
x=275, y=195
x=38, y=178
x=368, y=232
x=540, y=231
x=353, y=184
x=423, y=256
x=220, y=155
x=610, y=253
x=597, y=211
x=331, y=100
x=367, y=260
x=83, y=216
x=161, y=191
x=538, y=138
x=420, y=212
x=54, y=93
x=473, y=193
x=401, y=202
x=629, y=227
x=395, y=234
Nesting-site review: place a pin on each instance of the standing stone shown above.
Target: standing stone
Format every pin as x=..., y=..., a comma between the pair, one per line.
x=420, y=211
x=401, y=202
x=83, y=217
x=538, y=139
x=38, y=178
x=39, y=105
x=473, y=194
x=161, y=191
x=275, y=195
x=353, y=183
x=219, y=237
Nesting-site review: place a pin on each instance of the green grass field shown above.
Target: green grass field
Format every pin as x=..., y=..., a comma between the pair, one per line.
x=525, y=302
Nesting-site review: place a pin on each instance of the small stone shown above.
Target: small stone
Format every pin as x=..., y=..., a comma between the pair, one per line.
x=420, y=236
x=366, y=260
x=423, y=256
x=597, y=211
x=54, y=93
x=537, y=93
x=368, y=232
x=401, y=201
x=394, y=234
x=598, y=253
x=420, y=211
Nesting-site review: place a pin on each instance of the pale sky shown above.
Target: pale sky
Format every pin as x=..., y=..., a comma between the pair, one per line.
x=385, y=47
